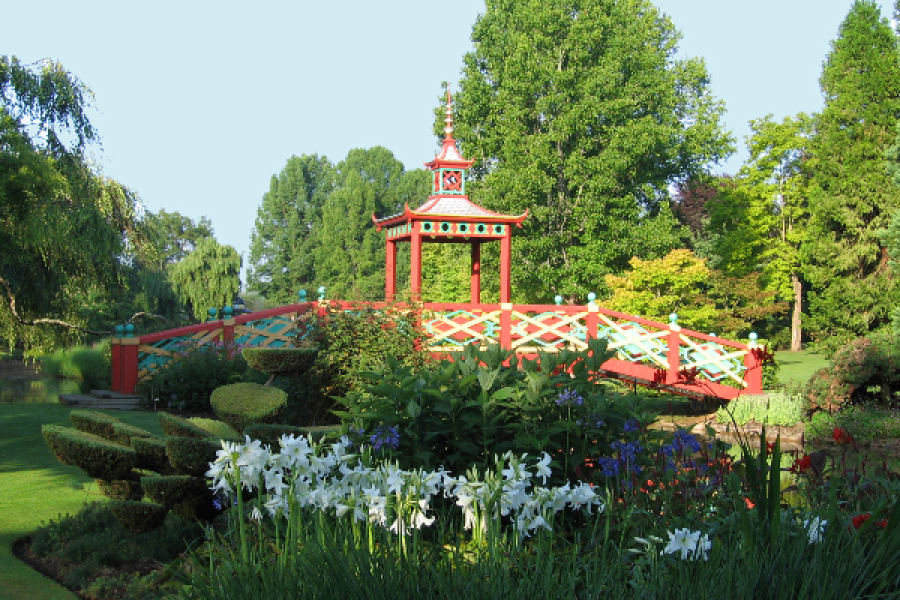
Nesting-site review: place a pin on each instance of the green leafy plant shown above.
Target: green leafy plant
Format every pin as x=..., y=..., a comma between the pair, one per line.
x=289, y=362
x=89, y=366
x=188, y=382
x=774, y=408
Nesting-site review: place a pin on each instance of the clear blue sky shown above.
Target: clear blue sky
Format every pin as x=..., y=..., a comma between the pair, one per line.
x=199, y=103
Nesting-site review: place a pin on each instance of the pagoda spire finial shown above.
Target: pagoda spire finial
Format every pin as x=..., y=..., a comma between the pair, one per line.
x=448, y=128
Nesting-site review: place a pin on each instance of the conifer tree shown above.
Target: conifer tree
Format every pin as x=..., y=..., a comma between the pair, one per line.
x=851, y=196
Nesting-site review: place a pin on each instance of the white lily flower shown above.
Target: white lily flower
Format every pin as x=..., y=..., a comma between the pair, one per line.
x=542, y=468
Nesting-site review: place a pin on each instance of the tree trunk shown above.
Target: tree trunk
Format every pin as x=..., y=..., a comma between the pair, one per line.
x=795, y=315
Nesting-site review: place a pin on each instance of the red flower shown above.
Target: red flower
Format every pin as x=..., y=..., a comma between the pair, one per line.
x=801, y=465
x=841, y=437
x=770, y=448
x=750, y=503
x=859, y=520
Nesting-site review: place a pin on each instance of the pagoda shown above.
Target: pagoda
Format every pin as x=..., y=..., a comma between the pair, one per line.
x=448, y=216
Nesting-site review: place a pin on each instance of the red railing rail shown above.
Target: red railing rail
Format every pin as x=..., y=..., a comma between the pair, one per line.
x=649, y=353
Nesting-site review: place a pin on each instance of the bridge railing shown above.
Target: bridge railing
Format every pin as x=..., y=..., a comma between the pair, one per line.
x=647, y=352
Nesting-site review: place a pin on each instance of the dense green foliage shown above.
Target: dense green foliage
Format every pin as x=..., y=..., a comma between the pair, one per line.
x=292, y=362
x=174, y=425
x=581, y=114
x=90, y=367
x=208, y=277
x=190, y=456
x=188, y=382
x=314, y=226
x=775, y=408
x=851, y=196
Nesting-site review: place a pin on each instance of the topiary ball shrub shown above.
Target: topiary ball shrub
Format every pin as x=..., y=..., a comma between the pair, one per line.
x=189, y=456
x=825, y=390
x=95, y=422
x=216, y=429
x=151, y=454
x=290, y=362
x=870, y=366
x=121, y=489
x=176, y=426
x=241, y=404
x=97, y=457
x=138, y=517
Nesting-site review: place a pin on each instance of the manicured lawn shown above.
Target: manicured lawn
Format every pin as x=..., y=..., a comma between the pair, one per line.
x=37, y=487
x=798, y=367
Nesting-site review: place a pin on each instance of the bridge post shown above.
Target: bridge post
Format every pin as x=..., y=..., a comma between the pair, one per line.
x=129, y=348
x=754, y=367
x=506, y=325
x=673, y=347
x=115, y=383
x=228, y=324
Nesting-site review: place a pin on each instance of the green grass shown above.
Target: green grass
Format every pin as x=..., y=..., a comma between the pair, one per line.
x=797, y=367
x=37, y=487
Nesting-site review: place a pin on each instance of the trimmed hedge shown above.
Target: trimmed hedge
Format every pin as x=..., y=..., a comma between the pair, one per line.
x=122, y=433
x=176, y=426
x=138, y=517
x=95, y=422
x=216, y=429
x=151, y=454
x=270, y=433
x=190, y=456
x=241, y=404
x=121, y=489
x=97, y=457
x=280, y=361
x=186, y=496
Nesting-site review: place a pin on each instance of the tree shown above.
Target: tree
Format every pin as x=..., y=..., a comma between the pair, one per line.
x=208, y=277
x=758, y=220
x=349, y=257
x=580, y=113
x=174, y=235
x=63, y=226
x=285, y=236
x=851, y=197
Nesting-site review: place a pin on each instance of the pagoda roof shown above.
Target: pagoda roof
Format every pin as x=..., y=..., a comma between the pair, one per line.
x=451, y=207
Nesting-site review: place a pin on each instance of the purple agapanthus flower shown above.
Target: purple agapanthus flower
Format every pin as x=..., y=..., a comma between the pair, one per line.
x=385, y=435
x=569, y=398
x=631, y=425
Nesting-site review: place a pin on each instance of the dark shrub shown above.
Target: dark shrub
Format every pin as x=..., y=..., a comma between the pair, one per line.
x=151, y=454
x=97, y=457
x=188, y=497
x=138, y=517
x=241, y=404
x=123, y=433
x=270, y=433
x=188, y=381
x=121, y=489
x=289, y=362
x=189, y=456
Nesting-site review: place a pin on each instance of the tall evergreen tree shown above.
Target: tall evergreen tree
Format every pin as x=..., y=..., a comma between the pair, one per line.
x=350, y=256
x=285, y=235
x=851, y=197
x=580, y=113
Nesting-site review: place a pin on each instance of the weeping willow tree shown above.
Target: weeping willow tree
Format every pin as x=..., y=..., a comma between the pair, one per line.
x=208, y=277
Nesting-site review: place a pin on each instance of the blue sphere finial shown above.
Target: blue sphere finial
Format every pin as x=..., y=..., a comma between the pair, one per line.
x=302, y=295
x=212, y=313
x=753, y=337
x=591, y=297
x=120, y=330
x=321, y=293
x=558, y=299
x=227, y=311
x=673, y=318
x=129, y=330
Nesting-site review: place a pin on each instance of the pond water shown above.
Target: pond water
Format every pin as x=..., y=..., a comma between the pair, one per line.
x=37, y=390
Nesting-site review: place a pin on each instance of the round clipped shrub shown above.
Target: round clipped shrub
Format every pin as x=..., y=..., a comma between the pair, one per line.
x=216, y=429
x=291, y=362
x=122, y=433
x=151, y=454
x=189, y=456
x=180, y=427
x=95, y=422
x=138, y=517
x=270, y=433
x=121, y=489
x=97, y=457
x=870, y=366
x=241, y=404
x=825, y=390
